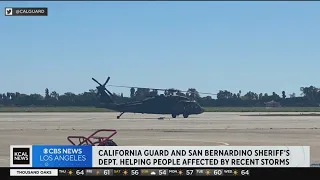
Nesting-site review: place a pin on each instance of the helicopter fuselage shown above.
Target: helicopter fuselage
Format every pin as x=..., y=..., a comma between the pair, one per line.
x=163, y=104
x=175, y=105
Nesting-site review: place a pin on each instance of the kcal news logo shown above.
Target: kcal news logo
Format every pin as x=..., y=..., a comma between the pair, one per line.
x=21, y=156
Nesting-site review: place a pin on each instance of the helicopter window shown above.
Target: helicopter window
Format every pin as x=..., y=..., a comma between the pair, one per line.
x=195, y=106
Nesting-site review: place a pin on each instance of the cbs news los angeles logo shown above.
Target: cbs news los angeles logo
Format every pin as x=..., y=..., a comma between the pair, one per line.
x=20, y=156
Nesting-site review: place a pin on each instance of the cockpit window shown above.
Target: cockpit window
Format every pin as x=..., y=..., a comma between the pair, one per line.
x=194, y=105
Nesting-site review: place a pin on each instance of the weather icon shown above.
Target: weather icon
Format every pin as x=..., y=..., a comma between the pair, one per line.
x=125, y=172
x=153, y=173
x=208, y=172
x=70, y=172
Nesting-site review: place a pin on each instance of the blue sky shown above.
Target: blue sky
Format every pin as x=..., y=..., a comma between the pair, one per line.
x=212, y=46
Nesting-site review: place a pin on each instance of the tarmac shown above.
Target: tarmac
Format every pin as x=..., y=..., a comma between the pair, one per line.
x=209, y=129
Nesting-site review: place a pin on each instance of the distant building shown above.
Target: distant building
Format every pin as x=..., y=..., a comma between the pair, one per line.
x=272, y=104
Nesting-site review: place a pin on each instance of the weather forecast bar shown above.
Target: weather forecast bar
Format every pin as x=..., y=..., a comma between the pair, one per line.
x=98, y=172
x=154, y=172
x=129, y=172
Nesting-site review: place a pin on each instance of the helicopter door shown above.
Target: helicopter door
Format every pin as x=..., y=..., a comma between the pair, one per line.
x=179, y=107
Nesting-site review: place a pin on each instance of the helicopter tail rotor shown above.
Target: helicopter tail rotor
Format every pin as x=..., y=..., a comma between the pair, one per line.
x=103, y=91
x=106, y=82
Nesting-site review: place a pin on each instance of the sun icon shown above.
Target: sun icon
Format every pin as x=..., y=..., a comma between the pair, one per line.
x=180, y=172
x=125, y=172
x=235, y=172
x=208, y=172
x=70, y=172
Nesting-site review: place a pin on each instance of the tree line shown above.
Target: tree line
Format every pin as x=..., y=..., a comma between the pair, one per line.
x=310, y=97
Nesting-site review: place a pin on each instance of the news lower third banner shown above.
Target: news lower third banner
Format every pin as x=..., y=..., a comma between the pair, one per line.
x=50, y=156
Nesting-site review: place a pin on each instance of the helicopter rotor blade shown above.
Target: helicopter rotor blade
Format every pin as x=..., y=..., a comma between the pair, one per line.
x=106, y=81
x=102, y=87
x=175, y=90
x=137, y=87
x=200, y=93
x=109, y=92
x=96, y=81
x=207, y=93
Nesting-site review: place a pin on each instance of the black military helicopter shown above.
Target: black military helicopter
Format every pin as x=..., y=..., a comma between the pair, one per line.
x=163, y=104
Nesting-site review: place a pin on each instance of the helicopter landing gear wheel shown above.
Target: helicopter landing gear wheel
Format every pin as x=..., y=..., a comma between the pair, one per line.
x=118, y=117
x=174, y=115
x=185, y=115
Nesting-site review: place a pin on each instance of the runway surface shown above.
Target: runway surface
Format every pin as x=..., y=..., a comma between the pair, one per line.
x=220, y=129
